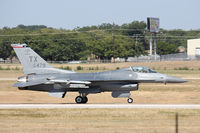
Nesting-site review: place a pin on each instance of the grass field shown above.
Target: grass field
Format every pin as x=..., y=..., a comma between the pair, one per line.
x=98, y=121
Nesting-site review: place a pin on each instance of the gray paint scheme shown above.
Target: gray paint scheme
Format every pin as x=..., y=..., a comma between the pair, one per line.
x=40, y=76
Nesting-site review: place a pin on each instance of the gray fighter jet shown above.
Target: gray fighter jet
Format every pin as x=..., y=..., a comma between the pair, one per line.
x=40, y=76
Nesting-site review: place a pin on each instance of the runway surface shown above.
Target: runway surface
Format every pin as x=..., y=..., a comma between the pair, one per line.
x=8, y=79
x=100, y=106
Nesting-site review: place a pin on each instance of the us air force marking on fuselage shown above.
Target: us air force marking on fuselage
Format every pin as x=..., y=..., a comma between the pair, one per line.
x=35, y=62
x=33, y=58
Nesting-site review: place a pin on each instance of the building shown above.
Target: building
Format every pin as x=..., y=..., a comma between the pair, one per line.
x=193, y=48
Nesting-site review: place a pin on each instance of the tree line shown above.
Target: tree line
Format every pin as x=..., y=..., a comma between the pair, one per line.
x=103, y=41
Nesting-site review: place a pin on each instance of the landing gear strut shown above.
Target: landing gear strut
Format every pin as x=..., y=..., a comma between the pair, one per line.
x=81, y=99
x=130, y=100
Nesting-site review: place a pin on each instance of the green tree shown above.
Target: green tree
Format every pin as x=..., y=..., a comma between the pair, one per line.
x=166, y=48
x=5, y=49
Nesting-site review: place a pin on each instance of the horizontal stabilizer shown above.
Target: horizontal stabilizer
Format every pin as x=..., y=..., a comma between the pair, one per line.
x=26, y=84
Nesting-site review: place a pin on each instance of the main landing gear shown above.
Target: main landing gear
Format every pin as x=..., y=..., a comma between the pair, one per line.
x=130, y=100
x=81, y=99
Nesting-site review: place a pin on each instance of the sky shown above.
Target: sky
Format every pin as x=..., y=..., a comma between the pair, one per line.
x=69, y=14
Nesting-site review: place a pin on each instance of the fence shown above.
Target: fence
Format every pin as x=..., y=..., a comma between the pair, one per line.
x=168, y=57
x=176, y=57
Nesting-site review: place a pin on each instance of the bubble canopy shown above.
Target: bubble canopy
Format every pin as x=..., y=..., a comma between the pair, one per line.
x=142, y=69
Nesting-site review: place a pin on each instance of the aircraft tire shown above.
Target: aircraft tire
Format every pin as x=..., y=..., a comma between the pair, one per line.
x=130, y=100
x=85, y=100
x=79, y=99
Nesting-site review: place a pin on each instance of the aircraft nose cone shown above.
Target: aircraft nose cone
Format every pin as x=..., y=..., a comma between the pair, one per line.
x=170, y=79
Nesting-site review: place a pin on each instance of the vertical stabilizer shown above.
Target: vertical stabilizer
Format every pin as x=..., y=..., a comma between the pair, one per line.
x=30, y=60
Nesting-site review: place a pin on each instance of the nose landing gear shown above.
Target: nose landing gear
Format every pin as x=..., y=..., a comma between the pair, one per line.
x=130, y=100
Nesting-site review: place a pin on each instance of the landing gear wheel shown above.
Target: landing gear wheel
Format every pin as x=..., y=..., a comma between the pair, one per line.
x=130, y=100
x=79, y=99
x=85, y=100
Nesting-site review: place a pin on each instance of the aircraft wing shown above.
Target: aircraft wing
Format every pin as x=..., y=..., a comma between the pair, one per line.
x=69, y=81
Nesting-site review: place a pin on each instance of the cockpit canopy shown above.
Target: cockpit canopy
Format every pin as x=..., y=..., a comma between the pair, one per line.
x=142, y=69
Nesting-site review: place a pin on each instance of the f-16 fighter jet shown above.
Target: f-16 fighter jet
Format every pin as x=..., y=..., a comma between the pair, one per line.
x=40, y=76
